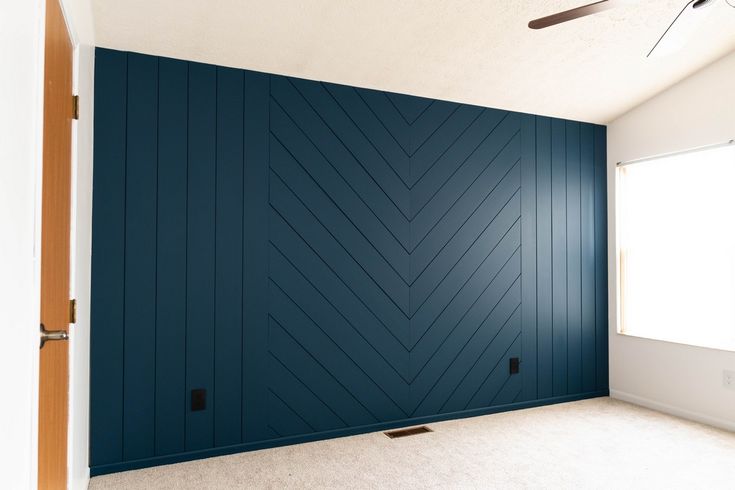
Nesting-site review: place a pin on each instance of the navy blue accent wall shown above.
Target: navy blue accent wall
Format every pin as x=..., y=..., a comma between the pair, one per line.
x=325, y=260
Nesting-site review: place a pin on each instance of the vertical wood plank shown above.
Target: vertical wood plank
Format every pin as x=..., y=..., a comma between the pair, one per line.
x=544, y=258
x=108, y=258
x=171, y=258
x=140, y=257
x=528, y=257
x=574, y=265
x=200, y=251
x=559, y=253
x=228, y=259
x=601, y=292
x=256, y=207
x=587, y=215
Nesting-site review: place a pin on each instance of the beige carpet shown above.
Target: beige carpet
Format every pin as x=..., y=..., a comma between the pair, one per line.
x=599, y=443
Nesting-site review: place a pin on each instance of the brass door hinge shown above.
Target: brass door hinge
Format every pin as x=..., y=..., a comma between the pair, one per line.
x=72, y=311
x=75, y=107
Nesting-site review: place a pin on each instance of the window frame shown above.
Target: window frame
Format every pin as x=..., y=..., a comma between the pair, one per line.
x=619, y=255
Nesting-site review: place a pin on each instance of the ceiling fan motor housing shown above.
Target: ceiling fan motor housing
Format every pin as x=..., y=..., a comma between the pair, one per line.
x=702, y=3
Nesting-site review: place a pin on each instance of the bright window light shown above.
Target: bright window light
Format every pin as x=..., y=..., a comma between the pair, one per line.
x=676, y=223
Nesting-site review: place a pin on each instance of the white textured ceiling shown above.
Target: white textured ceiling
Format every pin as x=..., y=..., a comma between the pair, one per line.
x=472, y=51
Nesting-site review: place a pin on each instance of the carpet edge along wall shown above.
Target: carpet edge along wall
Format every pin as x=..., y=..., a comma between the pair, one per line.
x=325, y=260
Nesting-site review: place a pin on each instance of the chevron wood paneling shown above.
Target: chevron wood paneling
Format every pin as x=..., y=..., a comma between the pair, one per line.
x=324, y=258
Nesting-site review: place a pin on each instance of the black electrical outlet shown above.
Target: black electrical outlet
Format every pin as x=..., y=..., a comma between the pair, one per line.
x=515, y=365
x=198, y=399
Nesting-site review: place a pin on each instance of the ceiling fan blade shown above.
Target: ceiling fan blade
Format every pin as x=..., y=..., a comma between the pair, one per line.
x=567, y=15
x=681, y=27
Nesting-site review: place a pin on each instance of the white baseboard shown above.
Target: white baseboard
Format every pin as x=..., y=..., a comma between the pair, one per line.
x=672, y=410
x=80, y=483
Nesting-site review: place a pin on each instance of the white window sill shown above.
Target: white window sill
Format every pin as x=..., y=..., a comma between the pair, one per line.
x=727, y=348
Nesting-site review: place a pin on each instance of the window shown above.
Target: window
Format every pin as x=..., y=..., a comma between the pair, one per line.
x=676, y=222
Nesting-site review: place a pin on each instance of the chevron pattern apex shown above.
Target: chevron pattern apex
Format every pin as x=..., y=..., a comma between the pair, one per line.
x=395, y=240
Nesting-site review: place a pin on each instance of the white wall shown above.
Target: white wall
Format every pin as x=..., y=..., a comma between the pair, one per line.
x=78, y=14
x=21, y=124
x=81, y=233
x=680, y=379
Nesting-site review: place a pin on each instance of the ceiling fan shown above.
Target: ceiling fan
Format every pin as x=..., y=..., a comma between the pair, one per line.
x=593, y=8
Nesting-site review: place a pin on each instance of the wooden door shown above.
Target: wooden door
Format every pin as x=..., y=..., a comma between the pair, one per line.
x=55, y=250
